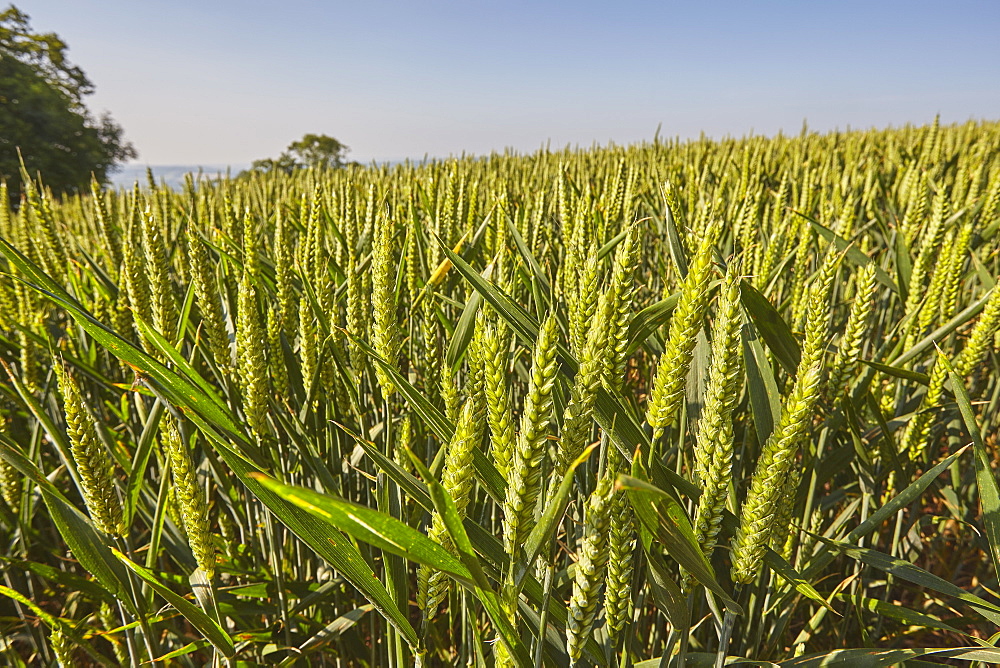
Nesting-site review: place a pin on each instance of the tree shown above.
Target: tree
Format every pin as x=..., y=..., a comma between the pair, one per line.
x=318, y=151
x=42, y=113
x=283, y=163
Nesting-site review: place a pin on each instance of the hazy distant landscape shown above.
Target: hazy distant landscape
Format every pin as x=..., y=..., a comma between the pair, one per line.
x=172, y=175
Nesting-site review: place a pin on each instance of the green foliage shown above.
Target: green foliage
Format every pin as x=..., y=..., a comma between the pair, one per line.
x=336, y=416
x=42, y=113
x=312, y=151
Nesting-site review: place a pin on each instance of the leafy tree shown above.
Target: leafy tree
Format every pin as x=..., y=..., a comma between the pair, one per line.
x=319, y=151
x=42, y=113
x=283, y=163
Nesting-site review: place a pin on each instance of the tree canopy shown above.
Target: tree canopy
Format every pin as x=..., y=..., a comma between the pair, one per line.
x=318, y=151
x=43, y=115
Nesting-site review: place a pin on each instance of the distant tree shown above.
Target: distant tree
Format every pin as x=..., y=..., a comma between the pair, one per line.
x=42, y=113
x=283, y=163
x=319, y=151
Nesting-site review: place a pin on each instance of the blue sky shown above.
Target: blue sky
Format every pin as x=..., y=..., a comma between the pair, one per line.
x=226, y=82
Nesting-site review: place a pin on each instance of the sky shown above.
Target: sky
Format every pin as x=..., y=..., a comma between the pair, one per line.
x=218, y=82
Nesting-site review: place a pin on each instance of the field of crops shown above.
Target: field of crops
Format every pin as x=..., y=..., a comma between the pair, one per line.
x=684, y=400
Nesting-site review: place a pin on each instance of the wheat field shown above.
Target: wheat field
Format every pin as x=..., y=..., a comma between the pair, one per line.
x=678, y=403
